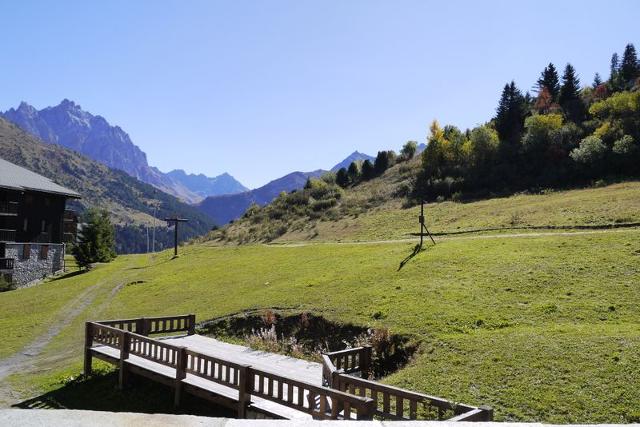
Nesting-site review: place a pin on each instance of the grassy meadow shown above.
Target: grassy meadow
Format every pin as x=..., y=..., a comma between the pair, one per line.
x=542, y=327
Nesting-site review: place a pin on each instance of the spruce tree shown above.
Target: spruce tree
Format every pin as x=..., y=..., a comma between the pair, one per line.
x=353, y=172
x=629, y=69
x=96, y=241
x=614, y=73
x=549, y=79
x=510, y=114
x=569, y=98
x=342, y=179
x=367, y=170
x=597, y=80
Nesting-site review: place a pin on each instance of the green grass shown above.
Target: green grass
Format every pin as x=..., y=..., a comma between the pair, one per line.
x=543, y=328
x=613, y=204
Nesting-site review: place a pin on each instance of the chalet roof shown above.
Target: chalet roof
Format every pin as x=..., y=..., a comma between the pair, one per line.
x=18, y=178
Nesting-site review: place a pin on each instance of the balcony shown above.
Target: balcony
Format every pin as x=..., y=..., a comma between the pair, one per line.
x=42, y=238
x=6, y=263
x=9, y=208
x=7, y=235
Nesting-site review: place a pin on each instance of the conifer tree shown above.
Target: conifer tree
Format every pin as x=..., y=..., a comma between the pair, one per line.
x=629, y=68
x=342, y=178
x=367, y=170
x=614, y=73
x=353, y=172
x=597, y=80
x=549, y=79
x=569, y=98
x=510, y=114
x=96, y=241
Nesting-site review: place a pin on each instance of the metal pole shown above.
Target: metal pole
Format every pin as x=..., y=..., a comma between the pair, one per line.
x=175, y=240
x=153, y=234
x=147, y=238
x=421, y=220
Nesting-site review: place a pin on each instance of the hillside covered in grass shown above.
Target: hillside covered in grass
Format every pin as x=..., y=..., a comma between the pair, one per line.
x=541, y=327
x=129, y=201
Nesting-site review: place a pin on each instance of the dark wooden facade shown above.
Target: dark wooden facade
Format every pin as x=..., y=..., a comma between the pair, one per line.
x=32, y=217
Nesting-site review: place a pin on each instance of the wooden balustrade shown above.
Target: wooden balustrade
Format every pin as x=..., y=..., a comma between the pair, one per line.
x=352, y=360
x=153, y=350
x=320, y=402
x=155, y=325
x=214, y=369
x=391, y=402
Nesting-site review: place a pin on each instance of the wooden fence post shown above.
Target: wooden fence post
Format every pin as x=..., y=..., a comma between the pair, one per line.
x=192, y=324
x=365, y=361
x=88, y=342
x=181, y=373
x=142, y=326
x=487, y=412
x=125, y=340
x=366, y=410
x=244, y=390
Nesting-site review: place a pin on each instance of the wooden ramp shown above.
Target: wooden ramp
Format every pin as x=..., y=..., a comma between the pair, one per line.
x=257, y=383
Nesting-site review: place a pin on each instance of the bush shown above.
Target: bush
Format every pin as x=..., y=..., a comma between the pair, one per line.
x=590, y=151
x=5, y=284
x=409, y=150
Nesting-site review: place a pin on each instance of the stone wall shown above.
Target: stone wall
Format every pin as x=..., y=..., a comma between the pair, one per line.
x=27, y=271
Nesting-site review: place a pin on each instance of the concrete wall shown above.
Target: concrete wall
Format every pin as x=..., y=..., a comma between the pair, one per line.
x=28, y=271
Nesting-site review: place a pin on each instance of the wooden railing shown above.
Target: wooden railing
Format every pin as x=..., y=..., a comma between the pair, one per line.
x=8, y=207
x=126, y=336
x=352, y=360
x=320, y=402
x=6, y=263
x=7, y=235
x=155, y=325
x=390, y=402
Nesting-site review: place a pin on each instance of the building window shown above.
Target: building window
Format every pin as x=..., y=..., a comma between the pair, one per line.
x=43, y=226
x=44, y=251
x=26, y=251
x=25, y=224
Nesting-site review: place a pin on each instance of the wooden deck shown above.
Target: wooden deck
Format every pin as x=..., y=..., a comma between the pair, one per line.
x=258, y=383
x=269, y=362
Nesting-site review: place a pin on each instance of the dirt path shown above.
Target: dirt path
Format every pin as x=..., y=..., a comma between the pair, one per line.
x=25, y=359
x=458, y=237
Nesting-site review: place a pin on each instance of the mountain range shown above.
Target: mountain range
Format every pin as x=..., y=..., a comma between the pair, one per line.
x=229, y=207
x=68, y=125
x=356, y=156
x=223, y=209
x=129, y=201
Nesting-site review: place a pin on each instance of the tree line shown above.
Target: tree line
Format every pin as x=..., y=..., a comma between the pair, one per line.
x=563, y=134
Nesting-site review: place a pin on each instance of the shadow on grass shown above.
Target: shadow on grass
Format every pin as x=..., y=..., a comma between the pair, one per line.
x=67, y=275
x=100, y=393
x=416, y=251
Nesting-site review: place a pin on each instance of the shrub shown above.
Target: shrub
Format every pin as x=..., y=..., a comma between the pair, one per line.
x=590, y=151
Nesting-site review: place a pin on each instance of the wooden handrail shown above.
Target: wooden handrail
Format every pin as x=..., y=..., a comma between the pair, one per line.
x=389, y=402
x=320, y=402
x=155, y=325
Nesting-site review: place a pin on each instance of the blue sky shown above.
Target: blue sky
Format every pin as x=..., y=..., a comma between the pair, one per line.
x=262, y=88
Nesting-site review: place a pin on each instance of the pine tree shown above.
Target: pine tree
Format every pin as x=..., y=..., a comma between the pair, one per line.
x=597, y=80
x=569, y=98
x=96, y=242
x=614, y=73
x=353, y=172
x=342, y=179
x=510, y=114
x=367, y=170
x=629, y=68
x=549, y=79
